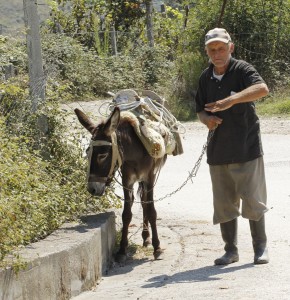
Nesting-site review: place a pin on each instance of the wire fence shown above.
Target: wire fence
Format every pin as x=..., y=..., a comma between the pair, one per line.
x=251, y=46
x=267, y=51
x=257, y=45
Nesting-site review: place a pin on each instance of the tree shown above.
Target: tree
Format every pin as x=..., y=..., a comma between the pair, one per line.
x=259, y=28
x=91, y=21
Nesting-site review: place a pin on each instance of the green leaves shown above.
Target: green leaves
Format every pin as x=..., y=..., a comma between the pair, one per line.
x=37, y=195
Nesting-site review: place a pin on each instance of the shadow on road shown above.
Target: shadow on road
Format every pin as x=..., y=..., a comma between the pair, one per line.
x=201, y=274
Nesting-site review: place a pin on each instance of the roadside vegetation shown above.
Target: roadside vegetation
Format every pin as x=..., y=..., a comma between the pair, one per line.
x=277, y=104
x=37, y=193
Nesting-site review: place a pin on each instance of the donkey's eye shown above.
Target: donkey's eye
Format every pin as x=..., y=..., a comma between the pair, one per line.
x=102, y=157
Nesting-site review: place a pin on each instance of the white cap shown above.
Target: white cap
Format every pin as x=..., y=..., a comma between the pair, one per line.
x=217, y=35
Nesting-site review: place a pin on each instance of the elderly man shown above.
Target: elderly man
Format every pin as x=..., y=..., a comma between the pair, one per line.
x=225, y=103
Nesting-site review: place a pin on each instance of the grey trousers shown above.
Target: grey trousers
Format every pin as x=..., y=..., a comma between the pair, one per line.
x=232, y=183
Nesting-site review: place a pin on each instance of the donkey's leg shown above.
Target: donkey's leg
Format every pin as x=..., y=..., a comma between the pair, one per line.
x=152, y=217
x=126, y=219
x=145, y=232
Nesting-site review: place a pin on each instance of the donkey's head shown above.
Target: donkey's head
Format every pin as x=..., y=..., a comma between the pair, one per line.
x=103, y=153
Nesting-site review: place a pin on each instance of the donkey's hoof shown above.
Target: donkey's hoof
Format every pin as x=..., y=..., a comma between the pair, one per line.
x=147, y=242
x=120, y=258
x=158, y=254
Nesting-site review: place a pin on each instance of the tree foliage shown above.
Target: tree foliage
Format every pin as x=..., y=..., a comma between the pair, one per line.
x=92, y=21
x=260, y=30
x=38, y=195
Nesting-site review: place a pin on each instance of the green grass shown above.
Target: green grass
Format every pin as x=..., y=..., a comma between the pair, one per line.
x=277, y=104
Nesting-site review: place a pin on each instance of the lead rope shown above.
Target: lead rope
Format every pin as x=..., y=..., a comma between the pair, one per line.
x=192, y=173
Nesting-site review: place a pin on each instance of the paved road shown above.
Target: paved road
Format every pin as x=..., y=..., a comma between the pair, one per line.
x=192, y=243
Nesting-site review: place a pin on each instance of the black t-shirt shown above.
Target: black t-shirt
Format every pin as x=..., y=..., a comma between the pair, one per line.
x=238, y=138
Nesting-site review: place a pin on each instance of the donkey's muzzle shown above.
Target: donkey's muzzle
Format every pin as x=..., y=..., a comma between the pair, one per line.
x=96, y=188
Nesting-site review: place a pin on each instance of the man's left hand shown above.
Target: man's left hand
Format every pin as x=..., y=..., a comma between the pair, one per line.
x=218, y=105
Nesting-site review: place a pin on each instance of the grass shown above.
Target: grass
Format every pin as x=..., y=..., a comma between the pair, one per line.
x=135, y=251
x=277, y=104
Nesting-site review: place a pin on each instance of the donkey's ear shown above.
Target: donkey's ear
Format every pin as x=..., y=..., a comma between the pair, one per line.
x=113, y=121
x=85, y=120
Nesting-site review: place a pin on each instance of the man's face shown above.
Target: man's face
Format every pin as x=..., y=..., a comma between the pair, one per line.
x=219, y=53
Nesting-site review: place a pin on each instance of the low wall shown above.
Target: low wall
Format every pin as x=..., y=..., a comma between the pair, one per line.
x=66, y=263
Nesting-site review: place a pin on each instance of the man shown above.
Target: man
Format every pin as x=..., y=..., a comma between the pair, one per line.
x=225, y=103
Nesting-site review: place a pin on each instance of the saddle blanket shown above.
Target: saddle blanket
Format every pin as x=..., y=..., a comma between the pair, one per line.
x=158, y=136
x=155, y=136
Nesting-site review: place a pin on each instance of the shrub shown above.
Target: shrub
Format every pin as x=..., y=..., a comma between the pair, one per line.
x=190, y=66
x=74, y=71
x=12, y=51
x=38, y=194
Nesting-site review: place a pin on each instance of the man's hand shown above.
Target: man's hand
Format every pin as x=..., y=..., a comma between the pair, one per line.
x=210, y=121
x=218, y=105
x=249, y=94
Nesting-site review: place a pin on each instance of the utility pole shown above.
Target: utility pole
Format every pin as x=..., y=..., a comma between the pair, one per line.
x=35, y=68
x=37, y=79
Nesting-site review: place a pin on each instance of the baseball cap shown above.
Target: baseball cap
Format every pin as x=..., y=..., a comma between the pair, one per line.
x=217, y=34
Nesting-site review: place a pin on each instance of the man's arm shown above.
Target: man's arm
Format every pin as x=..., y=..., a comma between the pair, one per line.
x=249, y=94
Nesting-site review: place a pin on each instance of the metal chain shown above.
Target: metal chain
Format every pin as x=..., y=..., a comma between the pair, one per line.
x=192, y=173
x=194, y=170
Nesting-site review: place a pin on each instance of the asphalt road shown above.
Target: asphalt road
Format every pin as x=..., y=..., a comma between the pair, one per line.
x=191, y=242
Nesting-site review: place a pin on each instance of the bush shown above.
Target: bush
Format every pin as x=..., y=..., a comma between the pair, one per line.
x=12, y=52
x=38, y=194
x=74, y=71
x=184, y=89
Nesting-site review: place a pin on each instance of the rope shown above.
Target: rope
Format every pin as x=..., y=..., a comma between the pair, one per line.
x=158, y=111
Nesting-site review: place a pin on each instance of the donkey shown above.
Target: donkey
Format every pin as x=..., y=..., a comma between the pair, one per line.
x=114, y=144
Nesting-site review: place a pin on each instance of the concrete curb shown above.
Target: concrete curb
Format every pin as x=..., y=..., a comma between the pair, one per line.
x=66, y=263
